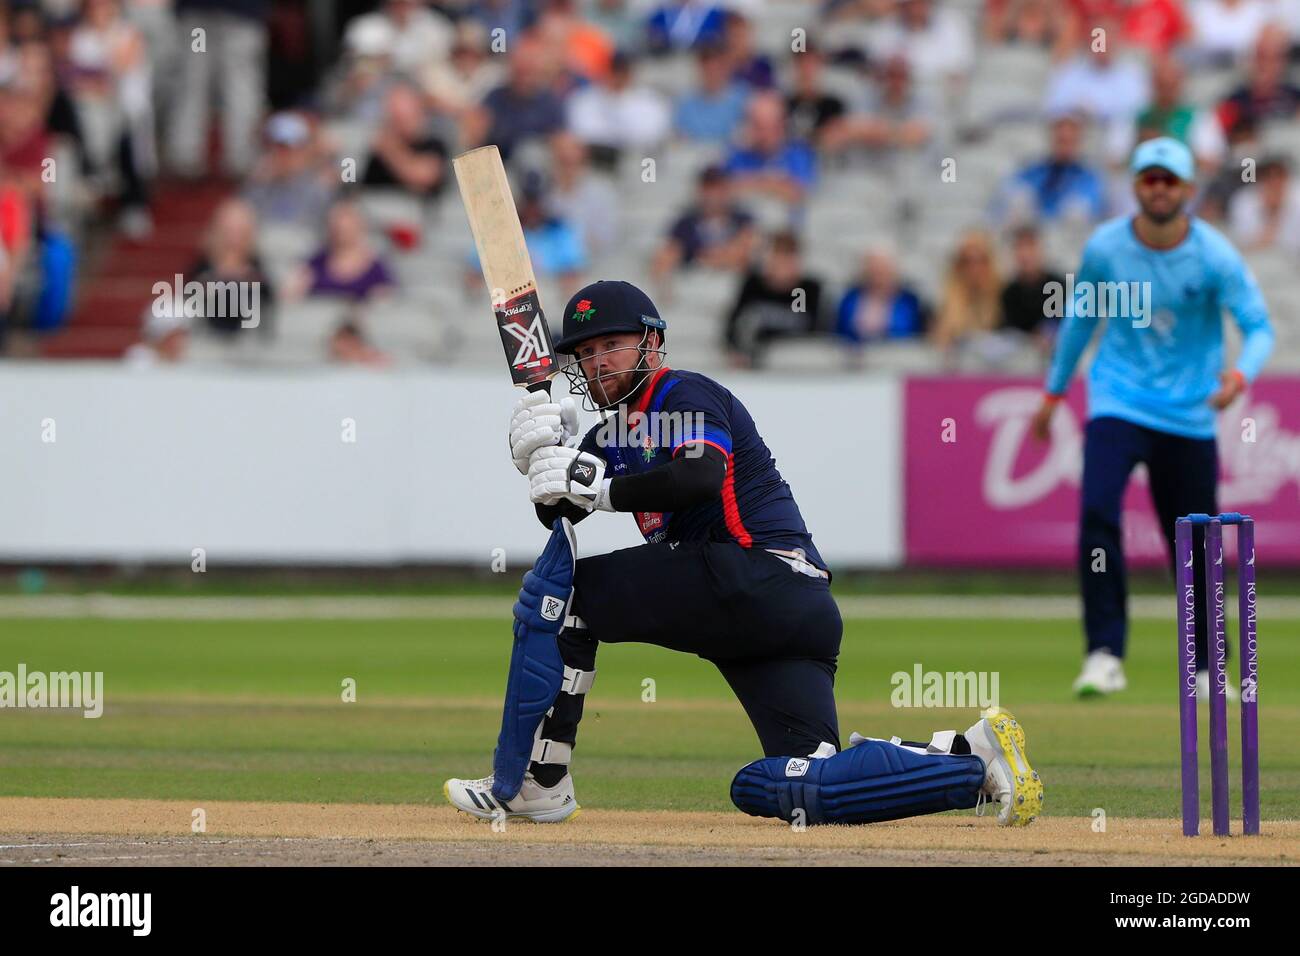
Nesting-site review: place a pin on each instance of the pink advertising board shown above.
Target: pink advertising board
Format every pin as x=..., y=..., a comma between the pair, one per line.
x=980, y=490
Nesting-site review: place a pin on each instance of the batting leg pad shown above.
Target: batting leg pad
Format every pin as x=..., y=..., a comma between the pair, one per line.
x=536, y=669
x=869, y=783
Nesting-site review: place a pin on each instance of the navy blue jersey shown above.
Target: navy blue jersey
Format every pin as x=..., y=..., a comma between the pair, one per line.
x=675, y=410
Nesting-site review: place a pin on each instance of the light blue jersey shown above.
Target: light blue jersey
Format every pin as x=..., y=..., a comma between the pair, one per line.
x=1161, y=351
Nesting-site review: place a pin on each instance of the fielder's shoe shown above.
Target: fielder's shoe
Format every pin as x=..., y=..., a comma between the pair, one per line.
x=1103, y=673
x=1203, y=688
x=533, y=802
x=1009, y=780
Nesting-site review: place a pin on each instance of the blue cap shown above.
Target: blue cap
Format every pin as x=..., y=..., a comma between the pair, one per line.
x=1166, y=153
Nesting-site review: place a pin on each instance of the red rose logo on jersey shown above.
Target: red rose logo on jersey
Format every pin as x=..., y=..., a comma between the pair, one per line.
x=583, y=311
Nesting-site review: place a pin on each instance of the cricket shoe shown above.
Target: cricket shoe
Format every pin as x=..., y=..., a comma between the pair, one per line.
x=1009, y=781
x=1203, y=688
x=1103, y=673
x=533, y=802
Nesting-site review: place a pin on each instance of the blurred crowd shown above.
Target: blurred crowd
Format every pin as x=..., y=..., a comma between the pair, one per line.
x=333, y=127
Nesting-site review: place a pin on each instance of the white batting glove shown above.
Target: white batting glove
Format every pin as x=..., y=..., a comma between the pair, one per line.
x=557, y=474
x=570, y=430
x=535, y=421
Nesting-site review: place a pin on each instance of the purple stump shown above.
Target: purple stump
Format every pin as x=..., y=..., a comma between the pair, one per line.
x=1216, y=625
x=1186, y=613
x=1248, y=663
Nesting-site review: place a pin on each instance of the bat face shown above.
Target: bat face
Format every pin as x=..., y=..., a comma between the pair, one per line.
x=507, y=269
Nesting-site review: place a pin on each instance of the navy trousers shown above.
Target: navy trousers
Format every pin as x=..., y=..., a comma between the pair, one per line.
x=1183, y=475
x=774, y=633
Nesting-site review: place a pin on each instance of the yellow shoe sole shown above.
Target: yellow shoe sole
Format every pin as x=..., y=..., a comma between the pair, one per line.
x=1027, y=792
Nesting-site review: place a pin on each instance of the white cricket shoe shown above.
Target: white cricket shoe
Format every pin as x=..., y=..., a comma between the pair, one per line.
x=1009, y=781
x=533, y=802
x=1203, y=688
x=1103, y=673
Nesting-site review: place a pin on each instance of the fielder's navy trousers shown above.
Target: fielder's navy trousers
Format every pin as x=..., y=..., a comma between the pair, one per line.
x=1183, y=473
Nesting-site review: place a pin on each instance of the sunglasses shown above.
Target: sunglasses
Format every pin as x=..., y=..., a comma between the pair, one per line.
x=1156, y=177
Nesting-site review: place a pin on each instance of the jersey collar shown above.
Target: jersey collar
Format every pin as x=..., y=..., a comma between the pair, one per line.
x=647, y=393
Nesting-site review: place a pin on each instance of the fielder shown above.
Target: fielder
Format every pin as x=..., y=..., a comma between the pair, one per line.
x=728, y=572
x=1154, y=388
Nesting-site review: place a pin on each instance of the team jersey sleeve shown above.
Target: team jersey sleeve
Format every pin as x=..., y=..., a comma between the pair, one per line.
x=1240, y=295
x=1078, y=328
x=699, y=416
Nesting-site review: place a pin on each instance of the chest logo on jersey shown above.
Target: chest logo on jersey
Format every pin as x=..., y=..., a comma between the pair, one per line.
x=649, y=521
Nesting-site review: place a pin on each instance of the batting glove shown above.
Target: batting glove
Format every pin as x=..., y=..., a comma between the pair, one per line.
x=536, y=422
x=560, y=474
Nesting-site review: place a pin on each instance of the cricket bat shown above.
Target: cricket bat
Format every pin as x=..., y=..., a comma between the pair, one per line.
x=507, y=269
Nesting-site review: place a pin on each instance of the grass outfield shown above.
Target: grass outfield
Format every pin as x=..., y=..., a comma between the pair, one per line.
x=251, y=710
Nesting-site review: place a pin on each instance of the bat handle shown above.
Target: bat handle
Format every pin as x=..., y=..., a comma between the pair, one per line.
x=544, y=385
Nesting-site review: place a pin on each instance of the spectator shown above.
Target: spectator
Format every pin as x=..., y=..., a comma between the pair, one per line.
x=767, y=162
x=776, y=300
x=420, y=36
x=365, y=72
x=111, y=90
x=893, y=116
x=460, y=83
x=348, y=267
x=585, y=49
x=511, y=17
x=936, y=43
x=1214, y=197
x=971, y=302
x=1225, y=31
x=683, y=25
x=230, y=256
x=523, y=109
x=348, y=346
x=233, y=56
x=34, y=62
x=1024, y=297
x=1099, y=82
x=617, y=115
x=811, y=110
x=1059, y=187
x=711, y=112
x=619, y=22
x=1027, y=22
x=1267, y=214
x=878, y=305
x=713, y=232
x=6, y=296
x=1155, y=26
x=1267, y=94
x=554, y=245
x=166, y=339
x=586, y=200
x=290, y=186
x=748, y=66
x=404, y=153
x=41, y=257
x=1170, y=114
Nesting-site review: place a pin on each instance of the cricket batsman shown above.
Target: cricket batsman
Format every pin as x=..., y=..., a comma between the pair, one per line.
x=728, y=572
x=1155, y=386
